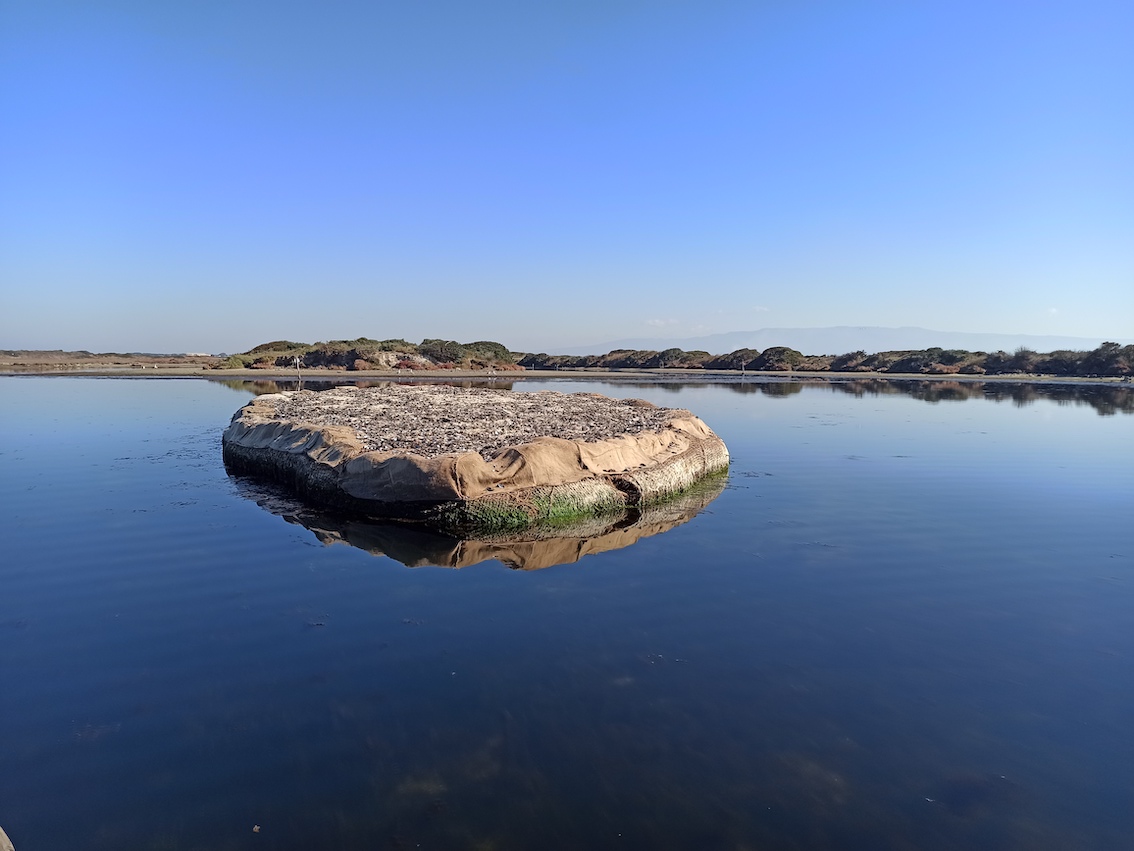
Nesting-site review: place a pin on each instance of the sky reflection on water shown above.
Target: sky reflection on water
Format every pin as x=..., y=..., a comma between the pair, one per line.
x=901, y=625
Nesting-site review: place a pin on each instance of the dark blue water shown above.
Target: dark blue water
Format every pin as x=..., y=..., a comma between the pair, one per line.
x=906, y=623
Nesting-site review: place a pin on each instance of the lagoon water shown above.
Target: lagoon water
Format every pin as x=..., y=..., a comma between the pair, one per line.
x=907, y=622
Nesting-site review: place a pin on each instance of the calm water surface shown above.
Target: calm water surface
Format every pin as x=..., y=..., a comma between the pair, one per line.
x=906, y=623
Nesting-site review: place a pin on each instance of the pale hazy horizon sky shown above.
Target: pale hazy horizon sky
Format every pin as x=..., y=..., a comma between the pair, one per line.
x=207, y=176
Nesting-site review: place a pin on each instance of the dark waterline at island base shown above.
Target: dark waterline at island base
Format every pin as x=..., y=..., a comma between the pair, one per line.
x=905, y=623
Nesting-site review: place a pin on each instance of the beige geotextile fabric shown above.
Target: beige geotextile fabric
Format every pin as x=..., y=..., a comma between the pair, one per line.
x=651, y=462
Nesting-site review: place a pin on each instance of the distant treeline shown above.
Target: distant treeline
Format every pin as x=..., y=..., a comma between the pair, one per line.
x=365, y=353
x=1109, y=359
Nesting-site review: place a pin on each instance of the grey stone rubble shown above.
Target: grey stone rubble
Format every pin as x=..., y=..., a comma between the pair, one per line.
x=436, y=420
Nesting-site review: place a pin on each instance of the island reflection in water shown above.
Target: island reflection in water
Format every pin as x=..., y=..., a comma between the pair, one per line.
x=418, y=546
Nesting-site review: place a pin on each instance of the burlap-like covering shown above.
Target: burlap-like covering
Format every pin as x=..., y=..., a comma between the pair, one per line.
x=512, y=487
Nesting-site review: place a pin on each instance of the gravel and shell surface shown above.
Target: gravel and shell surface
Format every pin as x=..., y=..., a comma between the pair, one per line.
x=432, y=420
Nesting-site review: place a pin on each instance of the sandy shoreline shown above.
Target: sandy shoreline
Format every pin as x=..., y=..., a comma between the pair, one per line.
x=197, y=371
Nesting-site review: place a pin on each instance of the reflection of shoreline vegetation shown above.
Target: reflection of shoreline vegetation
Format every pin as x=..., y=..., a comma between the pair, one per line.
x=1106, y=399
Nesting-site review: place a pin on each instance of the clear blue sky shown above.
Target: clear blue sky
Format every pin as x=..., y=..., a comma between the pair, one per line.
x=206, y=176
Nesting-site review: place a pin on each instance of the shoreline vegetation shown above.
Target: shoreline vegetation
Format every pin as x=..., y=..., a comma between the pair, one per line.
x=435, y=357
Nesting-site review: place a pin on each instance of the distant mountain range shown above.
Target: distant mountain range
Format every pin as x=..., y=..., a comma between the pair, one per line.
x=847, y=338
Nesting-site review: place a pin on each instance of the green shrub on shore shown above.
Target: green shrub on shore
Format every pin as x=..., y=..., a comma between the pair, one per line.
x=236, y=362
x=739, y=359
x=366, y=353
x=277, y=346
x=487, y=350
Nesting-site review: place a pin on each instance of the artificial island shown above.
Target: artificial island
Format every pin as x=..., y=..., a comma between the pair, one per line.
x=472, y=460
